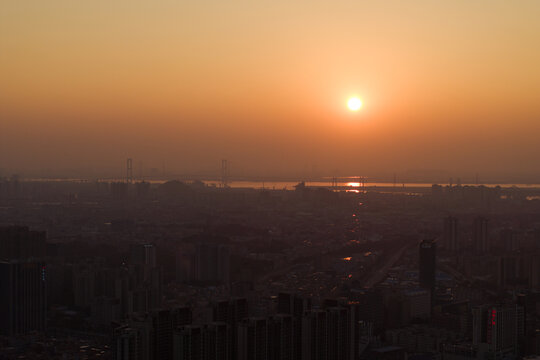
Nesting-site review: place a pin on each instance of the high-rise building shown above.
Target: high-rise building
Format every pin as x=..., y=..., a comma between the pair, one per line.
x=266, y=338
x=292, y=304
x=427, y=264
x=23, y=303
x=130, y=343
x=211, y=264
x=480, y=235
x=359, y=328
x=188, y=343
x=253, y=339
x=280, y=337
x=315, y=335
x=147, y=286
x=149, y=336
x=105, y=310
x=143, y=254
x=205, y=342
x=450, y=234
x=296, y=307
x=138, y=287
x=84, y=283
x=416, y=304
x=339, y=333
x=19, y=242
x=134, y=340
x=370, y=308
x=163, y=324
x=231, y=312
x=507, y=267
x=534, y=276
x=480, y=319
x=499, y=330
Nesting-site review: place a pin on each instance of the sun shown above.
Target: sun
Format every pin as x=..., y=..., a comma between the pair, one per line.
x=354, y=104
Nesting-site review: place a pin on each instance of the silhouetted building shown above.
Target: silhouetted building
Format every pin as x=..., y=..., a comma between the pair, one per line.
x=130, y=345
x=479, y=326
x=143, y=254
x=370, y=308
x=150, y=335
x=60, y=284
x=339, y=333
x=534, y=276
x=138, y=287
x=416, y=304
x=147, y=281
x=265, y=338
x=292, y=304
x=84, y=282
x=134, y=340
x=211, y=264
x=205, y=342
x=23, y=302
x=18, y=242
x=253, y=339
x=427, y=264
x=231, y=312
x=480, y=235
x=508, y=240
x=450, y=235
x=105, y=310
x=498, y=330
x=295, y=306
x=280, y=337
x=331, y=334
x=163, y=324
x=506, y=271
x=315, y=335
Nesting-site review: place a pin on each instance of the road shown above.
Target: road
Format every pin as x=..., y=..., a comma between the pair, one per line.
x=380, y=275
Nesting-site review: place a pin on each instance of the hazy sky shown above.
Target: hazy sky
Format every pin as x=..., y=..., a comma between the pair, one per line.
x=452, y=85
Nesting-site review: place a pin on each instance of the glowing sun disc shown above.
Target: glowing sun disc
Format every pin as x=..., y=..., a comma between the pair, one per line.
x=354, y=104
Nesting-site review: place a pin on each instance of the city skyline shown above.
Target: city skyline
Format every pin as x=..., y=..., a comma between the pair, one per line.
x=269, y=180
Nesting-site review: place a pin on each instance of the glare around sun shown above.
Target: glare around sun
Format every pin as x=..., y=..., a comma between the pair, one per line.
x=354, y=104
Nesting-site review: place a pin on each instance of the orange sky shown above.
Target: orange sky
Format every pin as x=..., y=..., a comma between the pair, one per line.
x=449, y=85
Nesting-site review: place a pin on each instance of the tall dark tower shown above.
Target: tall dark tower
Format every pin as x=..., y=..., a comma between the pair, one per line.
x=427, y=264
x=143, y=254
x=129, y=170
x=450, y=238
x=296, y=307
x=19, y=242
x=231, y=312
x=23, y=304
x=224, y=173
x=480, y=236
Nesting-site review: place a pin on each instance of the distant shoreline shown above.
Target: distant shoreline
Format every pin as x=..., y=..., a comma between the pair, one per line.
x=258, y=184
